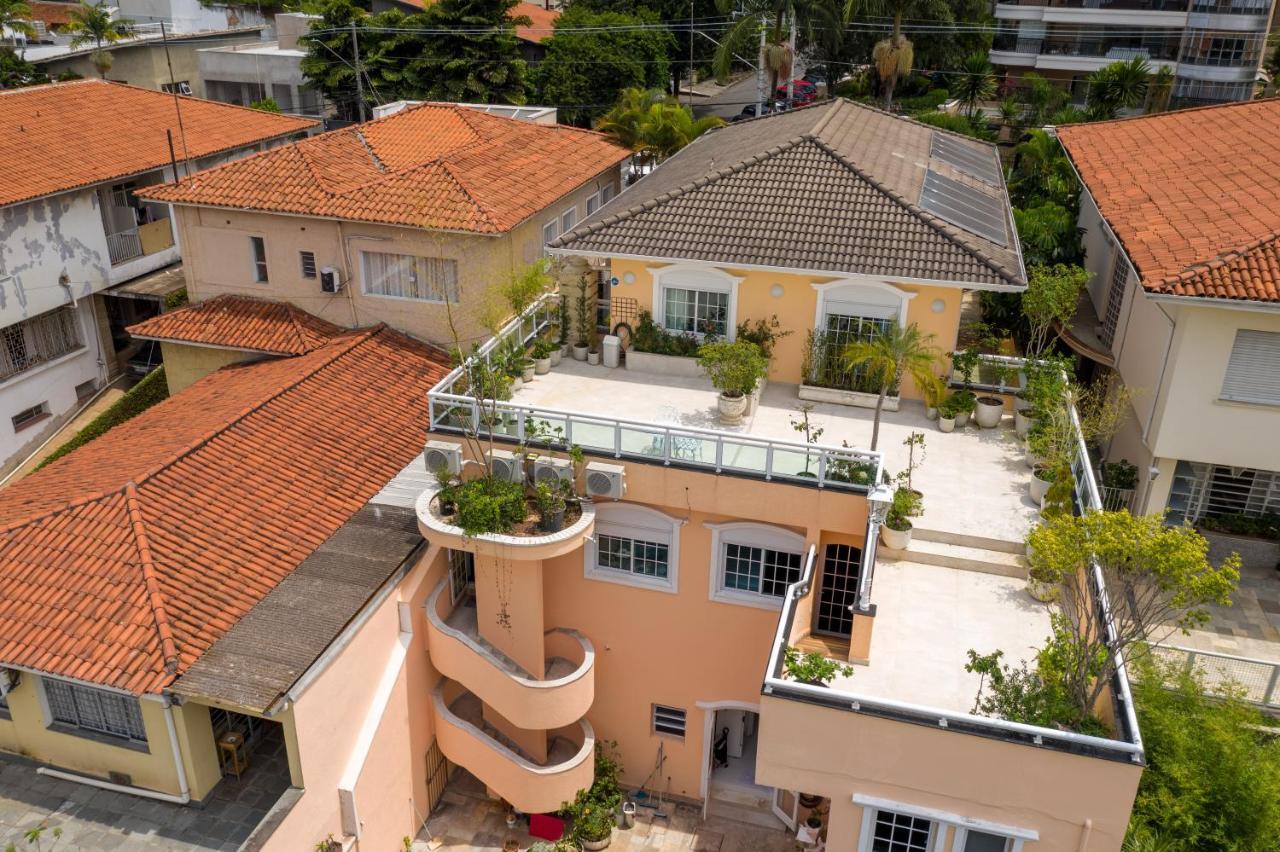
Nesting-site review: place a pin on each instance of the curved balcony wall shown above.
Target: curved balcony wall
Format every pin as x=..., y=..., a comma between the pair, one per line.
x=523, y=548
x=464, y=739
x=458, y=652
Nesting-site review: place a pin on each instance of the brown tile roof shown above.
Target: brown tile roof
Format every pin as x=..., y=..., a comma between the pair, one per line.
x=1191, y=195
x=241, y=322
x=123, y=562
x=831, y=187
x=68, y=135
x=433, y=165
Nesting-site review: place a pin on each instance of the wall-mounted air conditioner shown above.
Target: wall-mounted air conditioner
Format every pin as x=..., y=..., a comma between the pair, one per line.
x=506, y=466
x=329, y=280
x=551, y=471
x=606, y=480
x=443, y=454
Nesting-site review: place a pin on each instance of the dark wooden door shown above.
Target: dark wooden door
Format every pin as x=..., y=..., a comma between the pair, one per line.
x=841, y=565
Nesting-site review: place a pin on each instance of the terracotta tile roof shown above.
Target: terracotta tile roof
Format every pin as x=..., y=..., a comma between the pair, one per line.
x=241, y=322
x=543, y=21
x=433, y=165
x=68, y=135
x=836, y=187
x=52, y=14
x=1197, y=209
x=123, y=562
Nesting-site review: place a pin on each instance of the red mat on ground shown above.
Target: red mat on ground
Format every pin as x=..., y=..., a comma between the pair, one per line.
x=546, y=826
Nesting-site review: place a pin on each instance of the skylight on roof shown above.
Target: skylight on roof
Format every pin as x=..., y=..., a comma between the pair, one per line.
x=976, y=164
x=965, y=207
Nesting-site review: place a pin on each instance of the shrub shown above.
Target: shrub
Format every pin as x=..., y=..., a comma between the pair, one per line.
x=930, y=100
x=654, y=339
x=955, y=123
x=812, y=668
x=734, y=368
x=1121, y=475
x=1262, y=526
x=146, y=393
x=488, y=505
x=763, y=333
x=592, y=811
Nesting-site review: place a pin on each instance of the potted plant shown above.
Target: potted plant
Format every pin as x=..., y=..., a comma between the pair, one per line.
x=812, y=668
x=895, y=532
x=551, y=501
x=527, y=369
x=1041, y=478
x=989, y=410
x=965, y=402
x=734, y=369
x=933, y=393
x=543, y=352
x=593, y=345
x=965, y=363
x=947, y=414
x=329, y=844
x=810, y=829
x=584, y=318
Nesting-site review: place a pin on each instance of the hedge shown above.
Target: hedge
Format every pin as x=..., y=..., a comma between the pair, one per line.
x=138, y=399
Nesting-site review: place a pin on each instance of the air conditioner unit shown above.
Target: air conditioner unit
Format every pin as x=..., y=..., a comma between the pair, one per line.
x=184, y=88
x=506, y=466
x=443, y=454
x=9, y=680
x=551, y=471
x=606, y=480
x=329, y=280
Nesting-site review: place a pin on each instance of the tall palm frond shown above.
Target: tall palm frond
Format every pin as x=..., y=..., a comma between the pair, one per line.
x=888, y=357
x=15, y=15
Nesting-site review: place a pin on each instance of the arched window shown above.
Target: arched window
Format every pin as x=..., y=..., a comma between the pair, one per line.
x=694, y=299
x=634, y=545
x=752, y=564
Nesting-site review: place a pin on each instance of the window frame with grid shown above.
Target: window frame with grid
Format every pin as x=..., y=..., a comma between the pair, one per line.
x=97, y=712
x=258, y=257
x=697, y=311
x=430, y=280
x=1116, y=289
x=634, y=545
x=881, y=816
x=29, y=343
x=568, y=219
x=736, y=545
x=593, y=203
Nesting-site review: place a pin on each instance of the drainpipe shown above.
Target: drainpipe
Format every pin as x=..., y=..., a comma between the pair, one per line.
x=178, y=764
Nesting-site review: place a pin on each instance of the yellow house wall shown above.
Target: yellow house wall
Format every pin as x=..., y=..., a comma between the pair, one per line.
x=199, y=752
x=27, y=733
x=217, y=257
x=797, y=305
x=185, y=365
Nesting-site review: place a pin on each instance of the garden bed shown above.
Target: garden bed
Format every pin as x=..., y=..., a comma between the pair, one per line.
x=857, y=399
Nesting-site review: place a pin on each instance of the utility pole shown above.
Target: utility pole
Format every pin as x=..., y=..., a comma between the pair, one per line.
x=691, y=2
x=760, y=71
x=355, y=50
x=177, y=106
x=791, y=70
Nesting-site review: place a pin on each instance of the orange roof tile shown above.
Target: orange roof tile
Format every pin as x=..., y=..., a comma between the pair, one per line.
x=123, y=562
x=542, y=21
x=51, y=14
x=1191, y=195
x=433, y=165
x=241, y=322
x=68, y=135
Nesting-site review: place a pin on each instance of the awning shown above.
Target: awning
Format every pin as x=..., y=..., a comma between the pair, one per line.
x=155, y=286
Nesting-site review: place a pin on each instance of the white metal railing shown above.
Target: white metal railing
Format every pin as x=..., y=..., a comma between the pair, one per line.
x=1116, y=499
x=1255, y=679
x=124, y=245
x=709, y=449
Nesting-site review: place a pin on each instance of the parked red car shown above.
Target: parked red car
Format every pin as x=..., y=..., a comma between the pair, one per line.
x=805, y=92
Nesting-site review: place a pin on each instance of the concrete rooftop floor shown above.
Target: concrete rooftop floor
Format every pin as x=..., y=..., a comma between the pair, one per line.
x=974, y=480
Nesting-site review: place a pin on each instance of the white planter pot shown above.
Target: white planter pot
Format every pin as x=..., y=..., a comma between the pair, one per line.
x=565, y=350
x=579, y=353
x=946, y=424
x=845, y=397
x=593, y=358
x=541, y=366
x=663, y=365
x=526, y=374
x=930, y=413
x=596, y=845
x=732, y=408
x=1042, y=592
x=895, y=539
x=1022, y=424
x=556, y=355
x=516, y=384
x=1039, y=487
x=962, y=419
x=1033, y=461
x=989, y=412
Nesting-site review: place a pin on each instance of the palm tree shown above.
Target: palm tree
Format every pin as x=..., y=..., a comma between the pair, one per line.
x=93, y=23
x=1120, y=85
x=977, y=82
x=15, y=16
x=890, y=355
x=1160, y=90
x=815, y=22
x=893, y=56
x=623, y=120
x=669, y=126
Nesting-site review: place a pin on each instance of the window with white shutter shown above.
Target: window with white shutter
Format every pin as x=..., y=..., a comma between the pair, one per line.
x=1253, y=371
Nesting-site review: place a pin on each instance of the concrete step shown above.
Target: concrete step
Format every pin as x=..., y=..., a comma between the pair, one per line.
x=733, y=794
x=759, y=817
x=958, y=556
x=965, y=540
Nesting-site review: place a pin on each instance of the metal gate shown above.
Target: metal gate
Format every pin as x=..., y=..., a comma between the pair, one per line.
x=839, y=592
x=438, y=770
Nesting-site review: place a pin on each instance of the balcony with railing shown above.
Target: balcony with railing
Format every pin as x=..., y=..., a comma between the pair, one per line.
x=1105, y=5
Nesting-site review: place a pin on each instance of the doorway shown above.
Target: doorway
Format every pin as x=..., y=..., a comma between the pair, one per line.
x=733, y=751
x=838, y=592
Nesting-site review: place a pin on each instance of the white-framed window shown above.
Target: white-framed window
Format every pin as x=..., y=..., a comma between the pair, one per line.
x=568, y=219
x=258, y=248
x=407, y=276
x=889, y=826
x=1253, y=370
x=669, y=721
x=550, y=231
x=96, y=710
x=307, y=262
x=606, y=194
x=696, y=300
x=752, y=564
x=593, y=203
x=634, y=545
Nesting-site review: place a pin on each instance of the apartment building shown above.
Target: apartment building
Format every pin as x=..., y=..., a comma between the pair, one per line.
x=268, y=68
x=1214, y=47
x=412, y=219
x=72, y=157
x=1183, y=303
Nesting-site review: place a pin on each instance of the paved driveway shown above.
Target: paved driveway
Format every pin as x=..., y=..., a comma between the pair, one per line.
x=92, y=820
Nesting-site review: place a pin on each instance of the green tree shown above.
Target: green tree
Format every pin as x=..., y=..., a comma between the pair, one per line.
x=16, y=72
x=625, y=119
x=1120, y=85
x=890, y=355
x=588, y=65
x=15, y=16
x=954, y=122
x=1048, y=234
x=892, y=57
x=976, y=83
x=817, y=24
x=1041, y=172
x=93, y=23
x=266, y=105
x=1040, y=98
x=1158, y=578
x=476, y=59
x=1161, y=89
x=1050, y=298
x=683, y=45
x=1212, y=781
x=330, y=61
x=652, y=125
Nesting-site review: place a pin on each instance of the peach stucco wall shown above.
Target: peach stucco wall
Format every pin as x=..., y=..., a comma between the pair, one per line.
x=1074, y=803
x=216, y=253
x=796, y=307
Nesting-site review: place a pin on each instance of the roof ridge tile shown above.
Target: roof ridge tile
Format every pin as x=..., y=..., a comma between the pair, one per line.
x=155, y=598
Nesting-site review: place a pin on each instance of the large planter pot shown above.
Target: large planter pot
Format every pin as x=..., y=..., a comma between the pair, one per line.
x=946, y=424
x=732, y=408
x=962, y=419
x=1022, y=422
x=579, y=353
x=594, y=845
x=552, y=522
x=1043, y=592
x=1039, y=487
x=1033, y=461
x=989, y=412
x=593, y=358
x=526, y=374
x=895, y=539
x=664, y=365
x=542, y=366
x=556, y=355
x=930, y=413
